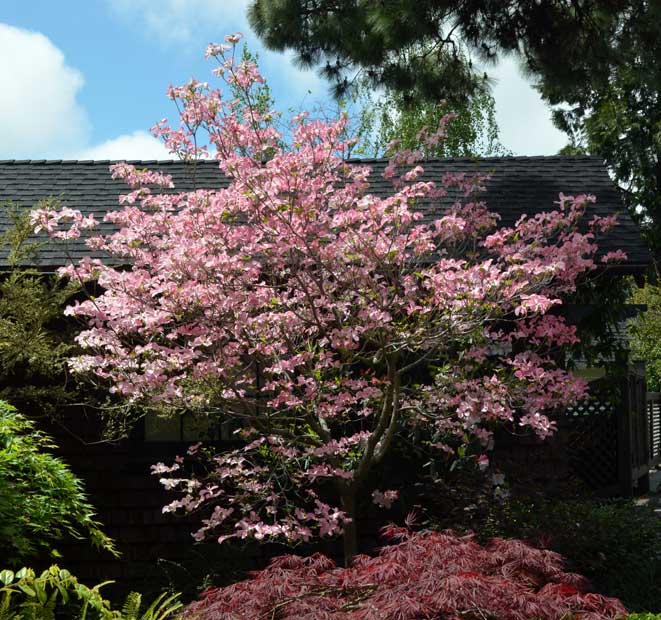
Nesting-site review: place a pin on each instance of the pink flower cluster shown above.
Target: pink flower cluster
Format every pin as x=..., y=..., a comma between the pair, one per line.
x=49, y=220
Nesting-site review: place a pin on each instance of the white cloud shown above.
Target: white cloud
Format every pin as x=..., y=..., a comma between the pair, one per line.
x=39, y=114
x=191, y=24
x=41, y=117
x=523, y=117
x=137, y=145
x=181, y=21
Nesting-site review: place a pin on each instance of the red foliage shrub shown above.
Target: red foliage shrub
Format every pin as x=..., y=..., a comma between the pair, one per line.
x=423, y=576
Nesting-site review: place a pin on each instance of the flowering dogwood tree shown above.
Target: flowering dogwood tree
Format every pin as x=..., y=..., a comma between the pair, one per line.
x=299, y=303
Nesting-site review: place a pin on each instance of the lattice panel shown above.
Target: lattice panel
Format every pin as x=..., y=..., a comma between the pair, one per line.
x=592, y=442
x=654, y=421
x=589, y=408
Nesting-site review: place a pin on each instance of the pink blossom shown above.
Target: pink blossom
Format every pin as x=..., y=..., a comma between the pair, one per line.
x=384, y=499
x=483, y=462
x=534, y=303
x=614, y=256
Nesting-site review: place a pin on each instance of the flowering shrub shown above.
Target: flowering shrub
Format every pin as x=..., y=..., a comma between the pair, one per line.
x=427, y=575
x=300, y=304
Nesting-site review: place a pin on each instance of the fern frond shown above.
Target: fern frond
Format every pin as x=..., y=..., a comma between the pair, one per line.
x=162, y=607
x=131, y=607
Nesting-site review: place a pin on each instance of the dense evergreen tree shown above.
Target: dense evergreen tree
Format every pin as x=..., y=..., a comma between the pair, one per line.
x=612, y=107
x=424, y=47
x=596, y=61
x=35, y=341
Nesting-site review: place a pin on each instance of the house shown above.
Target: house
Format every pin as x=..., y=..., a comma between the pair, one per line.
x=129, y=500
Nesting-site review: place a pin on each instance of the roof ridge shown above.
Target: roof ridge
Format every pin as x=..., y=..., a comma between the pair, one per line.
x=491, y=158
x=351, y=159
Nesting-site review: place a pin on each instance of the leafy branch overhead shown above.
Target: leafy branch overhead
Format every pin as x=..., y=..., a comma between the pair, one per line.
x=610, y=107
x=429, y=49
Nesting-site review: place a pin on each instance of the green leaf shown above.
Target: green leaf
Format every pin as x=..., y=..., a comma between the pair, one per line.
x=40, y=591
x=27, y=589
x=41, y=498
x=6, y=576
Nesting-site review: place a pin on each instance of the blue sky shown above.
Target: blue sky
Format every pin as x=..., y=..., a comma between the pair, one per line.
x=86, y=78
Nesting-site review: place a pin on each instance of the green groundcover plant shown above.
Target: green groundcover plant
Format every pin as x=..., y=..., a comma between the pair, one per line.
x=614, y=543
x=24, y=595
x=41, y=500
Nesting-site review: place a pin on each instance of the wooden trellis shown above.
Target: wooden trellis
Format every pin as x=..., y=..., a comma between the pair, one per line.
x=591, y=435
x=613, y=442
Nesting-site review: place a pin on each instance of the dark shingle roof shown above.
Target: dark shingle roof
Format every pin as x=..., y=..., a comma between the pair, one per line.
x=518, y=185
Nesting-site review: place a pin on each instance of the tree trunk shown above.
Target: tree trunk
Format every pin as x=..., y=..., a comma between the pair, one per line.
x=350, y=537
x=656, y=216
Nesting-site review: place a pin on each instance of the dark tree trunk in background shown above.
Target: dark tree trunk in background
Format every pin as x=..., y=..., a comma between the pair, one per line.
x=350, y=537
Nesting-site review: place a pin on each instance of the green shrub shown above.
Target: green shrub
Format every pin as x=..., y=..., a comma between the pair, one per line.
x=26, y=596
x=41, y=500
x=615, y=543
x=35, y=338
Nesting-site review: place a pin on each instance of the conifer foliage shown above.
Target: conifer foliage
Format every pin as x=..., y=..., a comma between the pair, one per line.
x=426, y=575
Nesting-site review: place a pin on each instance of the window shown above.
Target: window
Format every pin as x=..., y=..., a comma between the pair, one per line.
x=187, y=427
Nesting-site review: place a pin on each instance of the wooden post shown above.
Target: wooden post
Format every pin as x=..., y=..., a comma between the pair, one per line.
x=644, y=461
x=624, y=451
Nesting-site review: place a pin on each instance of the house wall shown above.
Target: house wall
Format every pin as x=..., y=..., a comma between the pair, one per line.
x=157, y=549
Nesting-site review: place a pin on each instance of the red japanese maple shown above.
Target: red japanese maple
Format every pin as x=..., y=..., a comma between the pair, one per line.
x=424, y=576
